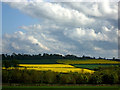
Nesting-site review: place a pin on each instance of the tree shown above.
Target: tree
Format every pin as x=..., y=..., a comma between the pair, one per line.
x=81, y=78
x=113, y=58
x=35, y=75
x=15, y=63
x=26, y=78
x=6, y=64
x=50, y=77
x=95, y=79
x=67, y=79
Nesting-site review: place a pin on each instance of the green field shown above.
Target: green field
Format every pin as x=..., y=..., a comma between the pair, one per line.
x=88, y=61
x=83, y=65
x=93, y=66
x=67, y=61
x=43, y=61
x=60, y=87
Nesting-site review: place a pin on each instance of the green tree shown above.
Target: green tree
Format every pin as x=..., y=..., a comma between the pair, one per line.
x=15, y=63
x=26, y=78
x=36, y=77
x=81, y=78
x=50, y=77
x=95, y=79
x=6, y=64
x=67, y=79
x=16, y=76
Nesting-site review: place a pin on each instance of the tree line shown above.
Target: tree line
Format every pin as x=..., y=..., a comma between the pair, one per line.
x=109, y=75
x=15, y=56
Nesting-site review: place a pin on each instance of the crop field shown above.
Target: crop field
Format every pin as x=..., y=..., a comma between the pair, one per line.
x=52, y=67
x=47, y=65
x=42, y=61
x=89, y=61
x=93, y=66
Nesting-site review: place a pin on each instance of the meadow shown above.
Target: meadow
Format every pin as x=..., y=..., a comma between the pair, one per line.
x=93, y=66
x=88, y=61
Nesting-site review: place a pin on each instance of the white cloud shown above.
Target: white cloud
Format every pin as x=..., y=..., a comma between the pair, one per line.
x=53, y=12
x=100, y=10
x=22, y=1
x=74, y=28
x=83, y=35
x=35, y=41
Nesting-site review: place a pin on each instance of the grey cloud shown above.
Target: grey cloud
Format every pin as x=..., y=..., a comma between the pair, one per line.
x=66, y=28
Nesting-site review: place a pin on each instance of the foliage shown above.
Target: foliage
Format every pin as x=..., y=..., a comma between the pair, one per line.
x=6, y=63
x=46, y=56
x=109, y=75
x=10, y=63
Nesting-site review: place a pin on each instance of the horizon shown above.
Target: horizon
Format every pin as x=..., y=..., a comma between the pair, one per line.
x=41, y=54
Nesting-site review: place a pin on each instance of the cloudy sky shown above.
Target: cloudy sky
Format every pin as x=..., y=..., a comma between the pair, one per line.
x=79, y=28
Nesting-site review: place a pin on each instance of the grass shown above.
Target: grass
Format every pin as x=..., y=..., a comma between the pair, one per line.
x=64, y=86
x=42, y=61
x=60, y=87
x=93, y=66
x=89, y=61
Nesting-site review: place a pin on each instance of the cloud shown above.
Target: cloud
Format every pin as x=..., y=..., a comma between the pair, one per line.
x=98, y=9
x=35, y=41
x=66, y=28
x=53, y=12
x=85, y=35
x=22, y=1
x=29, y=42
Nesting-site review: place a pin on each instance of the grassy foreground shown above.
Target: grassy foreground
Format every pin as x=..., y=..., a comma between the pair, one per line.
x=109, y=87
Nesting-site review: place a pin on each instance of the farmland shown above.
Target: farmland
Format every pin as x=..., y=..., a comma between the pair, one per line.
x=47, y=65
x=66, y=66
x=89, y=61
x=93, y=66
x=52, y=67
x=42, y=61
x=62, y=72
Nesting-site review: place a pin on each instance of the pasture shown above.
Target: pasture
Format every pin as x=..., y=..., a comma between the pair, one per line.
x=88, y=61
x=93, y=66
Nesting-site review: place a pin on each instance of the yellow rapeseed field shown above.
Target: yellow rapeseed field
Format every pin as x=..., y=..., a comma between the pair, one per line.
x=47, y=65
x=52, y=67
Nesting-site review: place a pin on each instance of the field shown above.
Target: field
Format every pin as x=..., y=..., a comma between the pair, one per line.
x=63, y=73
x=52, y=67
x=47, y=65
x=88, y=87
x=65, y=66
x=89, y=61
x=93, y=66
x=42, y=61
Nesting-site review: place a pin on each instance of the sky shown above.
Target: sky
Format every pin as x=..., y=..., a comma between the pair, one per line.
x=78, y=28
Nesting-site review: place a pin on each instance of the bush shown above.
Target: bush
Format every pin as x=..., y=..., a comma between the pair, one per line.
x=109, y=75
x=67, y=79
